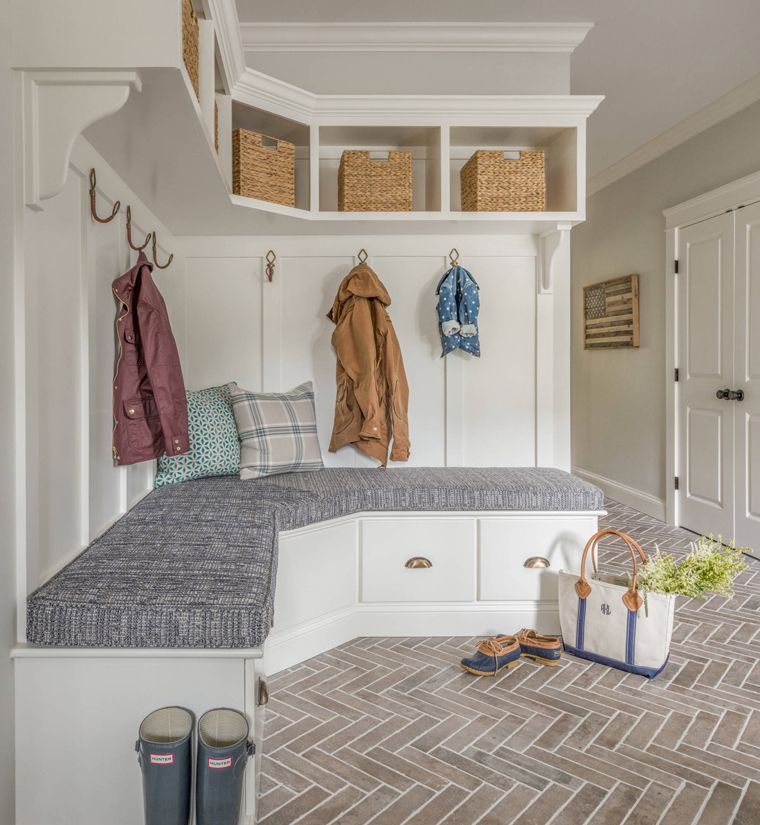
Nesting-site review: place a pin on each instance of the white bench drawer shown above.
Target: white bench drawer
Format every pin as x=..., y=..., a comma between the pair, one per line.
x=506, y=544
x=388, y=544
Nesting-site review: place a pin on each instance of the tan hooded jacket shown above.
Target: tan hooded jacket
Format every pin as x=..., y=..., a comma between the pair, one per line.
x=372, y=391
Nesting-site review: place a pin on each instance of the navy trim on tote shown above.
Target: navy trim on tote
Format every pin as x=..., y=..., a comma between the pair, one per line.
x=580, y=628
x=649, y=672
x=630, y=637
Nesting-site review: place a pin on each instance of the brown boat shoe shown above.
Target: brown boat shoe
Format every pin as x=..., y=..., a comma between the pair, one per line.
x=545, y=650
x=493, y=655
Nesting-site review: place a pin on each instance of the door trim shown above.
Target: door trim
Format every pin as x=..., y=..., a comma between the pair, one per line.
x=726, y=198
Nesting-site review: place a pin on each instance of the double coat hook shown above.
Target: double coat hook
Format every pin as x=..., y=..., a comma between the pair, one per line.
x=93, y=201
x=155, y=261
x=129, y=233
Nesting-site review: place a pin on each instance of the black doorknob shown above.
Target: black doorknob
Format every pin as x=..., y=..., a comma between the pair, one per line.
x=723, y=395
x=736, y=395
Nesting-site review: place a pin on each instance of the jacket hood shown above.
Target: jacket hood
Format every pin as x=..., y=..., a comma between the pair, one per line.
x=361, y=282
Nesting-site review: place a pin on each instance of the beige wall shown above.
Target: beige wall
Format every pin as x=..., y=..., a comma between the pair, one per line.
x=7, y=622
x=618, y=396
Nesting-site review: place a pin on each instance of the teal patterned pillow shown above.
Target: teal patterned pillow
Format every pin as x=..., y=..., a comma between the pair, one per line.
x=214, y=445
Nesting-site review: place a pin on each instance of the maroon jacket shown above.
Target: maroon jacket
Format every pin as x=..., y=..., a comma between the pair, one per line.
x=149, y=403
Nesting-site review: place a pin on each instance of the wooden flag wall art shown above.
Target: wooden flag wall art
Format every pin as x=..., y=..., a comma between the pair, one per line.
x=611, y=313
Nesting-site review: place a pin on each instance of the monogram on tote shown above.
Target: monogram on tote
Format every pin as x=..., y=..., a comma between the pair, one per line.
x=606, y=621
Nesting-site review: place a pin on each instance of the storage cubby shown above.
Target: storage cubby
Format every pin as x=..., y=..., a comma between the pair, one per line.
x=424, y=143
x=560, y=145
x=279, y=128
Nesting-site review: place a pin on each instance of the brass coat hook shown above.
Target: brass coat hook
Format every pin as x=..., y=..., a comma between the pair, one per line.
x=155, y=243
x=454, y=257
x=129, y=233
x=270, y=259
x=362, y=256
x=93, y=201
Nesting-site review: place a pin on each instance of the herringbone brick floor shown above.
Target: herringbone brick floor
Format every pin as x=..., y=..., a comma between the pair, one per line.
x=392, y=731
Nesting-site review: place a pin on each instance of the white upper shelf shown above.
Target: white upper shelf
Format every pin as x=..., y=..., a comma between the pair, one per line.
x=161, y=141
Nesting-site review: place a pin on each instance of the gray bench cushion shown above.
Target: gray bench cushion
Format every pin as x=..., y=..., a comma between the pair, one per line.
x=194, y=564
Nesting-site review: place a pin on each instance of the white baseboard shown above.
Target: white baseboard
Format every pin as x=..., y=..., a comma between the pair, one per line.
x=638, y=499
x=298, y=644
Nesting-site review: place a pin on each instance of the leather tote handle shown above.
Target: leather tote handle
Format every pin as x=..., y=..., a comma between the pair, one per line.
x=632, y=598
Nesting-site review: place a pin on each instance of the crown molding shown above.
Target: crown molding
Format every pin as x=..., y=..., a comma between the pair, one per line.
x=731, y=103
x=413, y=37
x=227, y=27
x=264, y=91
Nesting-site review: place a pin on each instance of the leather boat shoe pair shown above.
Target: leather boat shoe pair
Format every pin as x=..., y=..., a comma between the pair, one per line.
x=499, y=652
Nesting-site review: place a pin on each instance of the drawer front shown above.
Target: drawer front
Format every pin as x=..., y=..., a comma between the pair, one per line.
x=506, y=544
x=448, y=544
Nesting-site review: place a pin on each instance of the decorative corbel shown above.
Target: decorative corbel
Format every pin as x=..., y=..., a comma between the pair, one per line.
x=549, y=245
x=58, y=106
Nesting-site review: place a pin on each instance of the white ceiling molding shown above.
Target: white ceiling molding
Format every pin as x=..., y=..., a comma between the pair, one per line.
x=731, y=103
x=263, y=91
x=413, y=37
x=225, y=17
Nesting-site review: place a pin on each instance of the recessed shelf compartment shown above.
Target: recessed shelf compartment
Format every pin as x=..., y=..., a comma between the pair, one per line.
x=424, y=143
x=560, y=145
x=280, y=128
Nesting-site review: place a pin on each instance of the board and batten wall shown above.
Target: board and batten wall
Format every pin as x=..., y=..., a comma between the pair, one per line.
x=7, y=422
x=618, y=396
x=462, y=410
x=67, y=489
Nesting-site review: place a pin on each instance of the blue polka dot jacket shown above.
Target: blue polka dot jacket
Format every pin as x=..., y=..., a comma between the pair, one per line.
x=458, y=308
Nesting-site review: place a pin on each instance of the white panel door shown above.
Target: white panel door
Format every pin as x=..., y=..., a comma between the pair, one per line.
x=747, y=376
x=706, y=424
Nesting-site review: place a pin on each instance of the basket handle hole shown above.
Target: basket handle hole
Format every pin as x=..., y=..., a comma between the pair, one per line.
x=269, y=142
x=379, y=155
x=511, y=154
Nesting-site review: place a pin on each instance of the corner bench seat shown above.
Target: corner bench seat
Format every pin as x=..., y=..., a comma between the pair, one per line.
x=193, y=565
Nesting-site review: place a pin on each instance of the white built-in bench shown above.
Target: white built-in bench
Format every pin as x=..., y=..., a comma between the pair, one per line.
x=175, y=603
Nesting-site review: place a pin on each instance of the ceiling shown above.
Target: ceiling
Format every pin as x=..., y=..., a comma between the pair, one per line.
x=657, y=61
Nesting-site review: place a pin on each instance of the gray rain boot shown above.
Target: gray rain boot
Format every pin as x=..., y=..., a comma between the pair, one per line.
x=165, y=755
x=223, y=750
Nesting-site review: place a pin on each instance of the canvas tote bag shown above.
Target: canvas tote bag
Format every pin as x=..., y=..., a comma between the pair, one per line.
x=606, y=622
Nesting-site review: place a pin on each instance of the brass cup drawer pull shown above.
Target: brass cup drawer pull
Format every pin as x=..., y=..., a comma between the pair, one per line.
x=418, y=563
x=536, y=562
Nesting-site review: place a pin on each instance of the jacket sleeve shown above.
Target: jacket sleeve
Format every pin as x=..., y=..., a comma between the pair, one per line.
x=399, y=400
x=354, y=343
x=176, y=439
x=447, y=311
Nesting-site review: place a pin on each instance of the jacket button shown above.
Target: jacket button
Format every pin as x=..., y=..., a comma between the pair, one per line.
x=176, y=441
x=130, y=411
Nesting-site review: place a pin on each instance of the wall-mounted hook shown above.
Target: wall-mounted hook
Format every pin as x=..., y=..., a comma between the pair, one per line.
x=129, y=233
x=270, y=259
x=362, y=256
x=155, y=243
x=93, y=201
x=454, y=257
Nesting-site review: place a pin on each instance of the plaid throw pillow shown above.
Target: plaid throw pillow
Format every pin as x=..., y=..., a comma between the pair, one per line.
x=278, y=431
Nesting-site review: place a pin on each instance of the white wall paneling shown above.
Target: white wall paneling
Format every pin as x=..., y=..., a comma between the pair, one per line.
x=64, y=330
x=510, y=407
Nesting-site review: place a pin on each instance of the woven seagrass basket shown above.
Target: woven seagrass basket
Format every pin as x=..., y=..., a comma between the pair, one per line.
x=492, y=182
x=263, y=168
x=190, y=39
x=369, y=185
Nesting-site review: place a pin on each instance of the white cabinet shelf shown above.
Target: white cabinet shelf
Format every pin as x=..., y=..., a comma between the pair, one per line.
x=162, y=141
